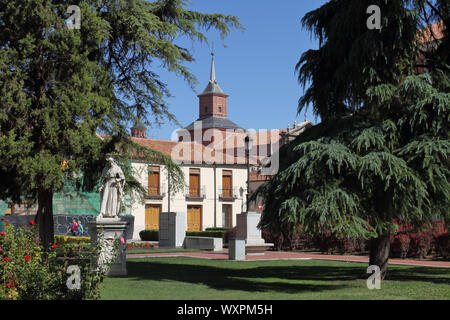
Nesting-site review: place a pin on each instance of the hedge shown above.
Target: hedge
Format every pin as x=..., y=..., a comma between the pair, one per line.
x=152, y=235
x=61, y=240
x=405, y=243
x=149, y=235
x=210, y=234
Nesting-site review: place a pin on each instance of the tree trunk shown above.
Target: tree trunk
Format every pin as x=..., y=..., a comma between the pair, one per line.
x=44, y=218
x=379, y=253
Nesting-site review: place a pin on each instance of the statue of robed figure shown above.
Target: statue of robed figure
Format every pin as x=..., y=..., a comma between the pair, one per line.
x=111, y=188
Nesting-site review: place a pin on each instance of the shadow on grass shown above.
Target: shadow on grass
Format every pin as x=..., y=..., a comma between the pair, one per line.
x=422, y=274
x=274, y=278
x=261, y=278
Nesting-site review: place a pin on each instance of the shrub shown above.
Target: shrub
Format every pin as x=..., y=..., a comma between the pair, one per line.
x=211, y=234
x=420, y=244
x=27, y=273
x=442, y=246
x=400, y=243
x=230, y=234
x=62, y=240
x=217, y=229
x=149, y=235
x=272, y=237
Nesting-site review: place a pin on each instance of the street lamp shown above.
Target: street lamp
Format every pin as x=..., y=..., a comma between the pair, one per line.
x=248, y=146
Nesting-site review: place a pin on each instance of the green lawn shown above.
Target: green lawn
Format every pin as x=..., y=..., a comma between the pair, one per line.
x=181, y=278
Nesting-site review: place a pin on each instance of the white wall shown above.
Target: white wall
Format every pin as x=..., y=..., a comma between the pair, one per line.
x=178, y=201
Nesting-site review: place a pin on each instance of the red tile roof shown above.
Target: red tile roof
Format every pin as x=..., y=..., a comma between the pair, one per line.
x=431, y=32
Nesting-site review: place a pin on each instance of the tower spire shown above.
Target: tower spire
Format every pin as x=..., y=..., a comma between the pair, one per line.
x=213, y=70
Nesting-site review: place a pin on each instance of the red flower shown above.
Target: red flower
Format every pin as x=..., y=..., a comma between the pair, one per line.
x=122, y=240
x=2, y=233
x=54, y=246
x=7, y=223
x=31, y=222
x=3, y=218
x=1, y=250
x=5, y=259
x=27, y=258
x=9, y=285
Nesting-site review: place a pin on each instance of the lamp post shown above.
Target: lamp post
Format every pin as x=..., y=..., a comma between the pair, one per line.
x=248, y=146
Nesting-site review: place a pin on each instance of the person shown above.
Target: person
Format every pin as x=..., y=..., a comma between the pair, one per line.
x=74, y=228
x=80, y=228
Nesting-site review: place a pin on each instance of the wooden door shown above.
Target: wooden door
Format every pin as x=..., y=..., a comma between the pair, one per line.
x=152, y=216
x=194, y=218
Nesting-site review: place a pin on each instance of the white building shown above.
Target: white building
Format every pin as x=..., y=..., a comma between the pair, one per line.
x=211, y=152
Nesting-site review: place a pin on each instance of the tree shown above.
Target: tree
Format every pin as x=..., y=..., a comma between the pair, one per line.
x=382, y=150
x=60, y=87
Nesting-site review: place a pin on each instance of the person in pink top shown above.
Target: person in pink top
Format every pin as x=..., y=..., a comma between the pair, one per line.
x=74, y=228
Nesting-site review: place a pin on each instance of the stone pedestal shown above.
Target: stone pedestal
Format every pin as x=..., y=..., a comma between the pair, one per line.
x=109, y=230
x=236, y=249
x=247, y=228
x=172, y=229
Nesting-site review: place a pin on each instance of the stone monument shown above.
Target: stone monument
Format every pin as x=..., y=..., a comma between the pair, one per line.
x=108, y=227
x=236, y=249
x=172, y=229
x=247, y=228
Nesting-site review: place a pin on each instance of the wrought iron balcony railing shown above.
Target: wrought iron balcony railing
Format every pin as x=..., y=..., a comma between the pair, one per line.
x=195, y=193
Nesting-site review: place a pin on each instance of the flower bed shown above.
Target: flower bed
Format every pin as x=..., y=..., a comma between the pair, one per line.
x=29, y=273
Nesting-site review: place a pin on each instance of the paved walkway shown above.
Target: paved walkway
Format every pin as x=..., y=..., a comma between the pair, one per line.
x=278, y=255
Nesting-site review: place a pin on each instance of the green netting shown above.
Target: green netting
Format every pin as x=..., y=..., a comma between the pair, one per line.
x=76, y=203
x=82, y=204
x=3, y=207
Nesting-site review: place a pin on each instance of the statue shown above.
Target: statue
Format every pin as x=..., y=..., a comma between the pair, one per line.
x=111, y=188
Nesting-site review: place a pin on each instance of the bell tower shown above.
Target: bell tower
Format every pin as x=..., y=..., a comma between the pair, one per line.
x=213, y=101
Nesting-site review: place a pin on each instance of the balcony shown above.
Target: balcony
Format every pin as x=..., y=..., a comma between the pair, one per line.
x=228, y=194
x=156, y=192
x=195, y=194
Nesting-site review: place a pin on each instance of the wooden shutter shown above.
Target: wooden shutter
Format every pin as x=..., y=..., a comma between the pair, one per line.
x=194, y=182
x=227, y=186
x=153, y=181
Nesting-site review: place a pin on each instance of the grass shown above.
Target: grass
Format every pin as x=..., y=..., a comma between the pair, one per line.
x=182, y=278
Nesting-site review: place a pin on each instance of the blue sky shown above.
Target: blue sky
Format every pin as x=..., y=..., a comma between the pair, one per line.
x=255, y=67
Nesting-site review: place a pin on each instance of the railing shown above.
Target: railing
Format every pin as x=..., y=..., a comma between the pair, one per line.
x=157, y=191
x=229, y=193
x=195, y=192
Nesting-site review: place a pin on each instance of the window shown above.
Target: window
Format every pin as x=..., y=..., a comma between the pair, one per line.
x=206, y=109
x=227, y=216
x=220, y=109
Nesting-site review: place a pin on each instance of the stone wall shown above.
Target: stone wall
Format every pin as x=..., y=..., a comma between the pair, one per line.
x=62, y=223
